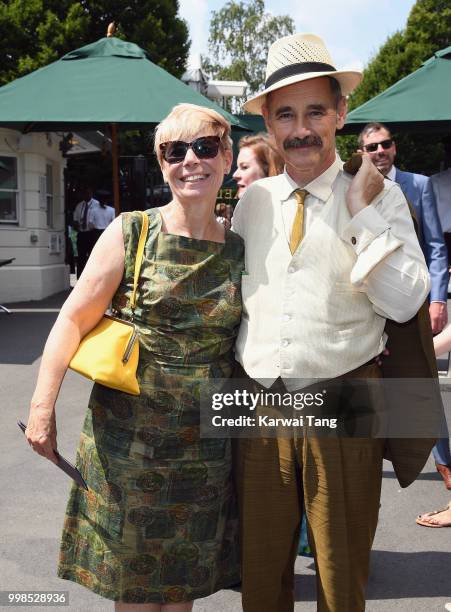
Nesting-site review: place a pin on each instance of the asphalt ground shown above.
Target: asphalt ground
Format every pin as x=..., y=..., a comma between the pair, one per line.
x=410, y=565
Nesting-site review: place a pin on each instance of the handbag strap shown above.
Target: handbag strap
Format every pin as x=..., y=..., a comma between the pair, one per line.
x=139, y=257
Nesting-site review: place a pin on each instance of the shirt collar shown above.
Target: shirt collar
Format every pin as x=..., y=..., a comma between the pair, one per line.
x=320, y=187
x=391, y=174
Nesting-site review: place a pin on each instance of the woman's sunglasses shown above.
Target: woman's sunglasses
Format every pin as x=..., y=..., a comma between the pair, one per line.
x=373, y=146
x=205, y=147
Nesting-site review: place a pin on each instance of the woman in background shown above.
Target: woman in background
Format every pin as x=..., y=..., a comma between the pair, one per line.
x=257, y=158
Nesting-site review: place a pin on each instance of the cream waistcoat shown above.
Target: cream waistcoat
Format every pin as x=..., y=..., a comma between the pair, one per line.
x=302, y=317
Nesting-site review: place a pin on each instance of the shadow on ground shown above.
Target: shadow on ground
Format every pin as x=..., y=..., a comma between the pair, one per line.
x=424, y=476
x=24, y=334
x=394, y=576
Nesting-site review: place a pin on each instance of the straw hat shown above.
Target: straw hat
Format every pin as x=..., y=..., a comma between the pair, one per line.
x=297, y=58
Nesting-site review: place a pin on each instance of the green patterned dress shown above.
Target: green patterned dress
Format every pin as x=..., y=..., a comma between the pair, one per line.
x=159, y=523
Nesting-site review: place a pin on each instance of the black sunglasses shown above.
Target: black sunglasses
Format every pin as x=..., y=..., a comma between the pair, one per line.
x=373, y=146
x=205, y=147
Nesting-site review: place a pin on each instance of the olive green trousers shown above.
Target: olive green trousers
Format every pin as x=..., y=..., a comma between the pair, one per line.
x=339, y=480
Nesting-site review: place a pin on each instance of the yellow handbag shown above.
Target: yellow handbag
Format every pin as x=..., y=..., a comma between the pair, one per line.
x=109, y=353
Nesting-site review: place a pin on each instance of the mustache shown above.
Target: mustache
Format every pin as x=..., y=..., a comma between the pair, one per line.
x=297, y=143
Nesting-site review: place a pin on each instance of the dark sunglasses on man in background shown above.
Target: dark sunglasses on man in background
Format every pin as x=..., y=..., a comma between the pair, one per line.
x=205, y=147
x=373, y=146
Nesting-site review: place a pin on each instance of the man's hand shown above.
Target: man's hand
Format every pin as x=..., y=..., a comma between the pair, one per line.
x=365, y=186
x=439, y=316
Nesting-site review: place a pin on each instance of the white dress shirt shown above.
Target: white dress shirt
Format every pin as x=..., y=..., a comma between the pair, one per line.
x=391, y=174
x=79, y=212
x=101, y=217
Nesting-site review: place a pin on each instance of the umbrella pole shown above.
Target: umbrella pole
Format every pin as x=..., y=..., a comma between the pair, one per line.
x=117, y=207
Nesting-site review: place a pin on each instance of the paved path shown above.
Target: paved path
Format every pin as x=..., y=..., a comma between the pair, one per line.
x=411, y=565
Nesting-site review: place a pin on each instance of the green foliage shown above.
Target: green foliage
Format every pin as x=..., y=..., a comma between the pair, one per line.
x=419, y=152
x=34, y=33
x=428, y=29
x=346, y=145
x=240, y=36
x=429, y=25
x=386, y=68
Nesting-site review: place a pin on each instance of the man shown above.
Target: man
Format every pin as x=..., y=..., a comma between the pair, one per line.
x=101, y=215
x=441, y=183
x=325, y=268
x=376, y=140
x=86, y=235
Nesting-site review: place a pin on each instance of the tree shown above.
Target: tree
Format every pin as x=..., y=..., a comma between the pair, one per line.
x=34, y=33
x=428, y=29
x=240, y=36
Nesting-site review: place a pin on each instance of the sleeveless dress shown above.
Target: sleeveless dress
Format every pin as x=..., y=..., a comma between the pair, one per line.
x=159, y=522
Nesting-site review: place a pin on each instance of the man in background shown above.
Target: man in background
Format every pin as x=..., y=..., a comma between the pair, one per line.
x=376, y=140
x=102, y=215
x=86, y=236
x=441, y=183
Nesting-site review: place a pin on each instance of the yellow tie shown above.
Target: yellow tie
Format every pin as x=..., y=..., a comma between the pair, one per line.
x=297, y=231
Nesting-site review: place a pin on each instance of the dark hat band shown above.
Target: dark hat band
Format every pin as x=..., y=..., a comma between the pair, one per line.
x=300, y=68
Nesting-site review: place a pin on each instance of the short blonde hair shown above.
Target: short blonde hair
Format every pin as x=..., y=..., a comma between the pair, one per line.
x=185, y=121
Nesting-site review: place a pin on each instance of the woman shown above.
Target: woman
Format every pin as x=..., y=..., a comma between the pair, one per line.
x=157, y=528
x=258, y=157
x=439, y=518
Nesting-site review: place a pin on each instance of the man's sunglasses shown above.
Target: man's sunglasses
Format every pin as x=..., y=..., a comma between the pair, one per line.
x=373, y=146
x=205, y=147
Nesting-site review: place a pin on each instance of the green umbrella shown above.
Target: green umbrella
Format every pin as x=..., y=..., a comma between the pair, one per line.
x=420, y=101
x=110, y=81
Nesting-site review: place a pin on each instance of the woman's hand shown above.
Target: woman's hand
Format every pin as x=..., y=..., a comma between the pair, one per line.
x=41, y=432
